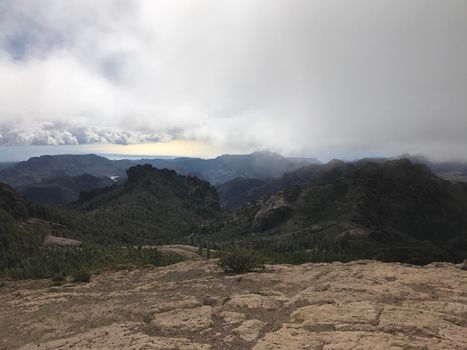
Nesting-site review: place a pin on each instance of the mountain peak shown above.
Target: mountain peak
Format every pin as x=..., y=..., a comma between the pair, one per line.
x=164, y=204
x=137, y=173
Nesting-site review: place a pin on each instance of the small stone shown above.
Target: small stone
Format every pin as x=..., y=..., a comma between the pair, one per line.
x=148, y=317
x=196, y=319
x=210, y=300
x=232, y=318
x=253, y=301
x=229, y=339
x=250, y=329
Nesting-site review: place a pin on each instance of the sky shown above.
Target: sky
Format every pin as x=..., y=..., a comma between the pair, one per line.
x=327, y=78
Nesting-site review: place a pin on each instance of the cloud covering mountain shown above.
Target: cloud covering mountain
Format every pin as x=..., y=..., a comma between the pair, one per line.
x=361, y=75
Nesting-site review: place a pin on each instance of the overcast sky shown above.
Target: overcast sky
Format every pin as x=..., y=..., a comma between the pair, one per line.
x=319, y=78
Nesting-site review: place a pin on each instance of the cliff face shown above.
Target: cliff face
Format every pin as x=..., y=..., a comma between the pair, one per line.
x=194, y=305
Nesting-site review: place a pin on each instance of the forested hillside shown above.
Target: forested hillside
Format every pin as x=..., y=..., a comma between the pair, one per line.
x=152, y=206
x=26, y=253
x=393, y=211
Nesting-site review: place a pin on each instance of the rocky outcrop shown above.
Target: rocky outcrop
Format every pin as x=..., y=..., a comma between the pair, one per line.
x=61, y=241
x=273, y=213
x=194, y=305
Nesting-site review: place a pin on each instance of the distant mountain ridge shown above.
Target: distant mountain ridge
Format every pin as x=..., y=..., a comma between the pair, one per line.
x=236, y=193
x=261, y=164
x=220, y=169
x=63, y=189
x=449, y=170
x=59, y=179
x=239, y=178
x=37, y=169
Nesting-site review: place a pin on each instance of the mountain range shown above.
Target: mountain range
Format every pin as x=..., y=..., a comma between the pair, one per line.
x=394, y=210
x=59, y=179
x=239, y=179
x=224, y=168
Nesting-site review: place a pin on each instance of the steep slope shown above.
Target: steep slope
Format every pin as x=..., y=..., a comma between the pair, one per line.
x=227, y=167
x=37, y=169
x=238, y=192
x=33, y=242
x=152, y=206
x=4, y=165
x=452, y=171
x=63, y=189
x=13, y=203
x=391, y=211
x=19, y=241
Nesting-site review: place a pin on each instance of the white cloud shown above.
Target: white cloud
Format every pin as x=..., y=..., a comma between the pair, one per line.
x=69, y=134
x=366, y=75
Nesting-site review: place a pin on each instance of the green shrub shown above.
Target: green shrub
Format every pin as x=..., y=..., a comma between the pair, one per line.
x=241, y=260
x=81, y=276
x=59, y=277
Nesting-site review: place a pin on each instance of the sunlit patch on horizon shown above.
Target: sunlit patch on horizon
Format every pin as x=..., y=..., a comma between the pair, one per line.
x=176, y=148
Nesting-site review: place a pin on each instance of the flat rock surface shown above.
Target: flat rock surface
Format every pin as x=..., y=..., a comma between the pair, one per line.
x=194, y=305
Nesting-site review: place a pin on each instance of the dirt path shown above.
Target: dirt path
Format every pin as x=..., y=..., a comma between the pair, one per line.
x=194, y=305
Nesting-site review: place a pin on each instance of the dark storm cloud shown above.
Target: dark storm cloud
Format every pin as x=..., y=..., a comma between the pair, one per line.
x=299, y=77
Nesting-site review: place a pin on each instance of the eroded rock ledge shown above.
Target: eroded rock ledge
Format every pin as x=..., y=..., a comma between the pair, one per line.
x=194, y=305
